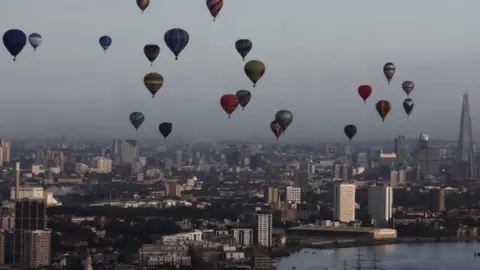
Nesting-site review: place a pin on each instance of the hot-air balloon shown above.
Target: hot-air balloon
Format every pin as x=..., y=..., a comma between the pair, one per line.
x=284, y=118
x=389, y=71
x=214, y=6
x=229, y=103
x=276, y=129
x=35, y=39
x=105, y=42
x=176, y=40
x=137, y=118
x=408, y=106
x=383, y=107
x=14, y=40
x=244, y=97
x=408, y=87
x=151, y=51
x=143, y=4
x=153, y=82
x=364, y=91
x=243, y=46
x=254, y=70
x=350, y=131
x=165, y=129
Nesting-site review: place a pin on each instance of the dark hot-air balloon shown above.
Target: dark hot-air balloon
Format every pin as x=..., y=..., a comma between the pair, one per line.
x=229, y=103
x=176, y=40
x=165, y=129
x=105, y=42
x=284, y=118
x=254, y=70
x=408, y=106
x=214, y=6
x=383, y=107
x=143, y=4
x=389, y=70
x=35, y=39
x=151, y=51
x=365, y=91
x=276, y=129
x=350, y=131
x=244, y=97
x=243, y=46
x=14, y=40
x=137, y=118
x=408, y=87
x=153, y=82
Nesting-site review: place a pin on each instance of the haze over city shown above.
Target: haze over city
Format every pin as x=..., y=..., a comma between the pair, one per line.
x=316, y=55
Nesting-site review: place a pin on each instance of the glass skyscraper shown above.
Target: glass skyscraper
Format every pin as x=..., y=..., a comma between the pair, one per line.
x=465, y=167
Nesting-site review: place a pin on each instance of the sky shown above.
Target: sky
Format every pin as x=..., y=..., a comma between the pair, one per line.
x=316, y=54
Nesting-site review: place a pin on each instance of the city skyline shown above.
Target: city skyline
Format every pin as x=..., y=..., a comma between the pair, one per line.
x=74, y=89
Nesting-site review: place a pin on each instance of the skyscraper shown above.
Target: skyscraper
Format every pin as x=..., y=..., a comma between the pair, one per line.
x=400, y=148
x=465, y=167
x=344, y=202
x=380, y=199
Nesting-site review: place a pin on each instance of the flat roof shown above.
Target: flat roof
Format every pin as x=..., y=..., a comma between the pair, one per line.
x=342, y=229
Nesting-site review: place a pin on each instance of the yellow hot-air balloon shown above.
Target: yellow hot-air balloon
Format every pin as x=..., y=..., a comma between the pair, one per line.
x=254, y=70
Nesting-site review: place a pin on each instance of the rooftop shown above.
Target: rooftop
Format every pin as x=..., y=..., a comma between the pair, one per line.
x=311, y=227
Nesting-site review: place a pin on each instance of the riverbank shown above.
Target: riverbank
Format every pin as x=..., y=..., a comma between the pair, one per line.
x=289, y=249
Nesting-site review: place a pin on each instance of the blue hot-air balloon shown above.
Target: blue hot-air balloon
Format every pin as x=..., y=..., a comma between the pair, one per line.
x=14, y=40
x=35, y=39
x=176, y=40
x=105, y=42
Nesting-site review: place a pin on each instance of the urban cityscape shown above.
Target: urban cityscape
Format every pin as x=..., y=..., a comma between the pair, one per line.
x=229, y=205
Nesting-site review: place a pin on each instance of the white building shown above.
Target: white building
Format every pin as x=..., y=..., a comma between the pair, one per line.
x=293, y=195
x=380, y=200
x=344, y=202
x=188, y=236
x=264, y=230
x=101, y=165
x=34, y=193
x=243, y=237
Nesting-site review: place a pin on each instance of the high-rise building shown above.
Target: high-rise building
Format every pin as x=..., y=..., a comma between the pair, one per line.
x=394, y=178
x=179, y=159
x=428, y=157
x=243, y=236
x=344, y=202
x=37, y=248
x=293, y=195
x=380, y=200
x=400, y=148
x=254, y=148
x=437, y=200
x=101, y=165
x=125, y=152
x=264, y=229
x=271, y=195
x=465, y=163
x=5, y=144
x=301, y=175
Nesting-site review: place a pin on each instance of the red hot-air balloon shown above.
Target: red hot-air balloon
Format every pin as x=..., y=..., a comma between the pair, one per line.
x=364, y=91
x=383, y=107
x=229, y=103
x=214, y=6
x=276, y=129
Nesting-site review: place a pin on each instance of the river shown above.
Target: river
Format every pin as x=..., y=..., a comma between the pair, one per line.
x=431, y=256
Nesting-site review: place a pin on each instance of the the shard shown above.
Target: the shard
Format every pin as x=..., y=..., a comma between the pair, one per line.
x=465, y=167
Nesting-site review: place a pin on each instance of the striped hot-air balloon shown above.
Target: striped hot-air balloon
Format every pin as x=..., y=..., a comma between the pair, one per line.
x=153, y=82
x=35, y=39
x=214, y=6
x=383, y=107
x=176, y=40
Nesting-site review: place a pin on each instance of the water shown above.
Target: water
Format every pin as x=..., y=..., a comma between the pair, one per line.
x=432, y=256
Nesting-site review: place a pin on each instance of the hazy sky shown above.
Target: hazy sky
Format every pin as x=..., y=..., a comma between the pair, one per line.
x=316, y=52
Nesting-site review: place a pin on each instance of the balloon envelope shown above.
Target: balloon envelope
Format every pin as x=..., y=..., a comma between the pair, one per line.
x=364, y=91
x=408, y=87
x=254, y=70
x=383, y=107
x=243, y=47
x=284, y=118
x=153, y=82
x=276, y=128
x=14, y=40
x=214, y=6
x=350, y=131
x=176, y=40
x=244, y=97
x=408, y=106
x=143, y=4
x=389, y=70
x=165, y=129
x=137, y=118
x=229, y=103
x=105, y=42
x=151, y=51
x=35, y=39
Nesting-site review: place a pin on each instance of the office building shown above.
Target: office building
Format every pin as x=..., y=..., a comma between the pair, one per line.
x=428, y=157
x=301, y=175
x=400, y=149
x=380, y=200
x=125, y=152
x=293, y=195
x=243, y=237
x=465, y=163
x=179, y=159
x=101, y=165
x=344, y=202
x=264, y=230
x=5, y=151
x=271, y=195
x=37, y=248
x=402, y=177
x=394, y=178
x=173, y=189
x=437, y=200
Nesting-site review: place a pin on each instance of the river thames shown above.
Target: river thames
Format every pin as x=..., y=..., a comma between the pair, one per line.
x=431, y=256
